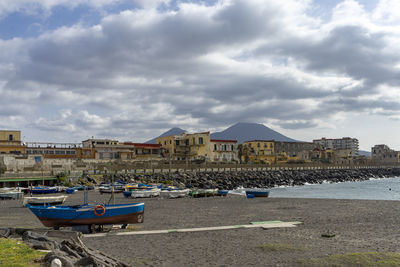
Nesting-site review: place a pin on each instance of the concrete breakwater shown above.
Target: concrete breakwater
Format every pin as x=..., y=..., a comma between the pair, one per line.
x=250, y=178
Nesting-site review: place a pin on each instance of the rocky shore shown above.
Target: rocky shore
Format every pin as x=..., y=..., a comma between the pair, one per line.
x=250, y=178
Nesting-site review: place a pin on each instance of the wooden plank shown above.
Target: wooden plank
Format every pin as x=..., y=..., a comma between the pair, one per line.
x=264, y=225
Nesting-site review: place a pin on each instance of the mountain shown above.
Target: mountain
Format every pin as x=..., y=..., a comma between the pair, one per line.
x=172, y=131
x=364, y=153
x=244, y=131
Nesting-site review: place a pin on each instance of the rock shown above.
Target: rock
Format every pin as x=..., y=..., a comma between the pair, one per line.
x=56, y=263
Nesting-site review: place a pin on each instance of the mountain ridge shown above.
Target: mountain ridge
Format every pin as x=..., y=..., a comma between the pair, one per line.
x=241, y=131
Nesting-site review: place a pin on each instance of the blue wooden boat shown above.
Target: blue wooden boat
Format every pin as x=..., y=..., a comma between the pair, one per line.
x=60, y=216
x=44, y=190
x=71, y=190
x=222, y=193
x=258, y=192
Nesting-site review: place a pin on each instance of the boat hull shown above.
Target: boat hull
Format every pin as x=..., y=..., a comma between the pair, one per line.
x=258, y=193
x=57, y=216
x=174, y=193
x=41, y=201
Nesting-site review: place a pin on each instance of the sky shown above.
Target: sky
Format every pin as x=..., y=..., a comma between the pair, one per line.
x=132, y=69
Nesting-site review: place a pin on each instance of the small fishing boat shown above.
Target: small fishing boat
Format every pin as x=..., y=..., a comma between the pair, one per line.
x=43, y=190
x=204, y=192
x=10, y=193
x=141, y=193
x=44, y=201
x=109, y=189
x=257, y=192
x=222, y=193
x=71, y=190
x=61, y=216
x=174, y=193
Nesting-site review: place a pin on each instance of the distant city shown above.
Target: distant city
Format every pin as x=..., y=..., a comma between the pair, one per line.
x=240, y=143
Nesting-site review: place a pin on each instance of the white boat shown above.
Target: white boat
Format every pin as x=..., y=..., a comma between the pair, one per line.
x=153, y=192
x=10, y=193
x=174, y=193
x=52, y=200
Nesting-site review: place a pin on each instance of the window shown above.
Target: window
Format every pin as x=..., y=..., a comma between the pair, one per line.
x=232, y=147
x=225, y=147
x=200, y=140
x=177, y=142
x=10, y=137
x=215, y=147
x=194, y=142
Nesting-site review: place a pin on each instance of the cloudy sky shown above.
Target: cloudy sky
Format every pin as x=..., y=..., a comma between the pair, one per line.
x=132, y=69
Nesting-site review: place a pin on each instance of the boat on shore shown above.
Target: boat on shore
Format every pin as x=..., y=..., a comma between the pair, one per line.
x=44, y=201
x=222, y=193
x=88, y=214
x=142, y=193
x=203, y=192
x=10, y=193
x=257, y=192
x=43, y=190
x=174, y=193
x=108, y=189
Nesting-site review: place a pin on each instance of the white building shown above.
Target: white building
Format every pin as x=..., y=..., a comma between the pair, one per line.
x=339, y=144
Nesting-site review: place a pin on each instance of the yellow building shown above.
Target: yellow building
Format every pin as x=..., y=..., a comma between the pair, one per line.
x=186, y=147
x=10, y=142
x=259, y=151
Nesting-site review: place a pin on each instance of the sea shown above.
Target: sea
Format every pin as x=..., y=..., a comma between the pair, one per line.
x=374, y=189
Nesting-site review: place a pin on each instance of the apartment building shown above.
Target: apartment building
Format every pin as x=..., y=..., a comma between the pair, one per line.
x=223, y=150
x=10, y=142
x=339, y=144
x=109, y=149
x=258, y=151
x=382, y=154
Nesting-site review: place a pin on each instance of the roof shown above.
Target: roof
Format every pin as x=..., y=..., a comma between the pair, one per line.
x=260, y=141
x=223, y=141
x=8, y=179
x=143, y=145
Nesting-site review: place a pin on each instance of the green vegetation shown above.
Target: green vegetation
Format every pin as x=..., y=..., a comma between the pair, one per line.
x=15, y=253
x=278, y=247
x=356, y=259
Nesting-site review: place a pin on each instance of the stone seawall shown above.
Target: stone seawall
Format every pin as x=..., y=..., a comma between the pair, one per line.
x=249, y=178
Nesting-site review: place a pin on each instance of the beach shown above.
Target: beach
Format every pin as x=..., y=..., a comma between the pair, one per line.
x=352, y=226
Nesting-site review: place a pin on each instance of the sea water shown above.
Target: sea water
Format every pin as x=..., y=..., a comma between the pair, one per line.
x=376, y=189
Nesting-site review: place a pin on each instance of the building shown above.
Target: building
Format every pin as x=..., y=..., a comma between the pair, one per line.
x=223, y=150
x=338, y=144
x=10, y=142
x=145, y=151
x=198, y=147
x=294, y=150
x=53, y=150
x=259, y=151
x=382, y=154
x=109, y=149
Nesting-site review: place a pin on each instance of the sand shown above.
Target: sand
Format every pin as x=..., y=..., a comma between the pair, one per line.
x=358, y=226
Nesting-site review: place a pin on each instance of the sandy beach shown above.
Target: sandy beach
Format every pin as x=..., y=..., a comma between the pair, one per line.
x=357, y=226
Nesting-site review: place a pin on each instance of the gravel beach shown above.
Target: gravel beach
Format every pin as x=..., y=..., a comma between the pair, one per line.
x=357, y=226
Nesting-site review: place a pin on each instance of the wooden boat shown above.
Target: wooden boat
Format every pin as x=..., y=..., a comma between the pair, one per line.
x=141, y=193
x=41, y=201
x=204, y=192
x=108, y=189
x=60, y=216
x=257, y=192
x=10, y=193
x=174, y=193
x=43, y=190
x=71, y=190
x=222, y=193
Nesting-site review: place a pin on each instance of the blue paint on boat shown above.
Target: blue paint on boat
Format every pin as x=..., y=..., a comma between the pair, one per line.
x=43, y=190
x=52, y=216
x=127, y=194
x=70, y=190
x=222, y=192
x=258, y=193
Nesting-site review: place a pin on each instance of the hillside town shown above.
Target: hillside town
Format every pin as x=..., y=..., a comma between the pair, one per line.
x=19, y=156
